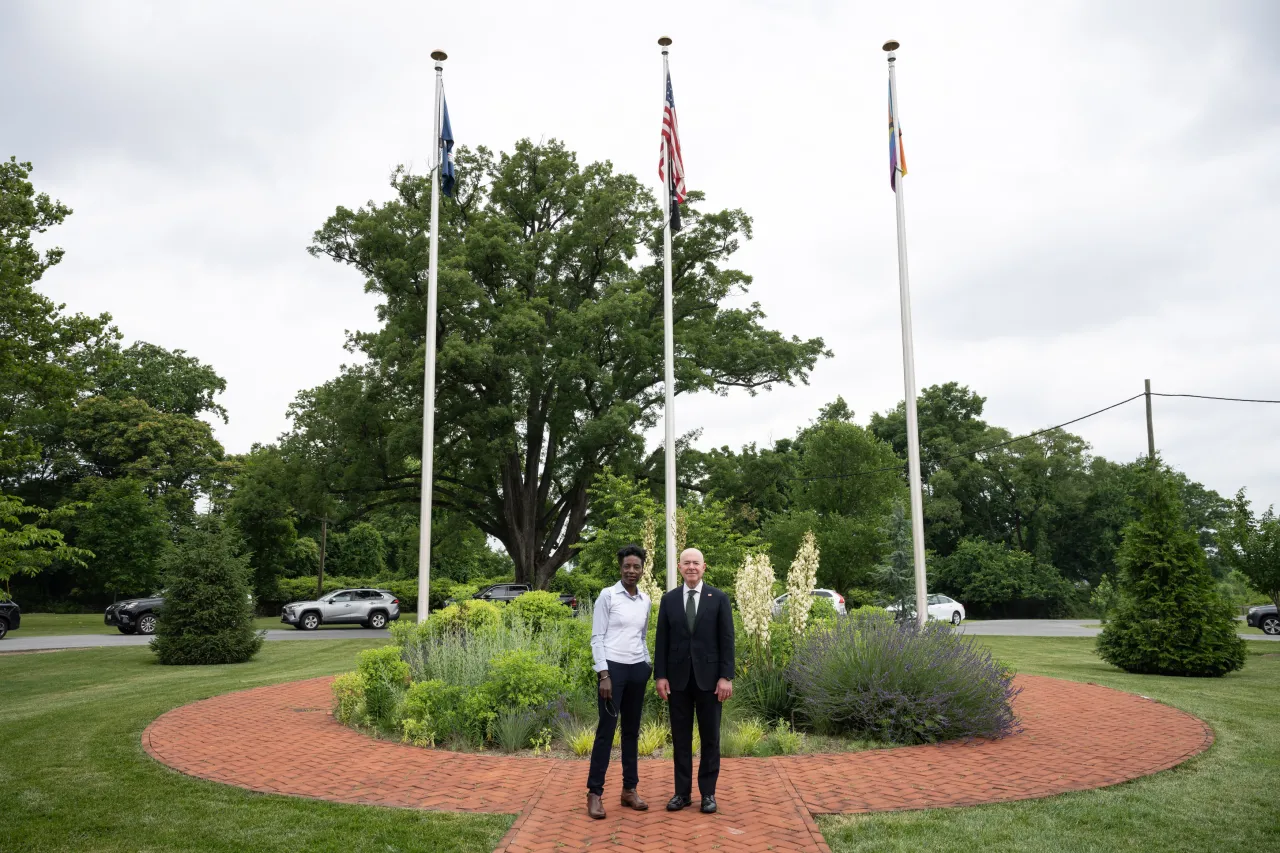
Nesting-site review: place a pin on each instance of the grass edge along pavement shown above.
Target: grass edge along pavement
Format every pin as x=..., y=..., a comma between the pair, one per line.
x=1223, y=799
x=76, y=776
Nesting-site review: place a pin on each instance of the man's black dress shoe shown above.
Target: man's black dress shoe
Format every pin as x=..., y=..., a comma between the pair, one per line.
x=708, y=804
x=678, y=802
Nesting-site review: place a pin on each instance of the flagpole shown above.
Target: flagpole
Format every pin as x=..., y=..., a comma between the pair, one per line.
x=668, y=345
x=429, y=385
x=908, y=356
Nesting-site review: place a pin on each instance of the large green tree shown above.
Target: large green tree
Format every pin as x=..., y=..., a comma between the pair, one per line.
x=1251, y=545
x=46, y=355
x=550, y=342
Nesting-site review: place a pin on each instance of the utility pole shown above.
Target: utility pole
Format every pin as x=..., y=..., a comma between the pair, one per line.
x=324, y=538
x=1151, y=434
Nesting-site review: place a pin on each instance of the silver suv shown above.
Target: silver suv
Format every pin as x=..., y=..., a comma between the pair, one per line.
x=372, y=608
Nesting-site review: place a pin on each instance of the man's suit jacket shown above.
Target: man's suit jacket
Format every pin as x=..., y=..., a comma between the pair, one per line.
x=708, y=651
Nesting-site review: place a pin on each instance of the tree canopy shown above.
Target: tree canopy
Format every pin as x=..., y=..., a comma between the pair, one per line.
x=550, y=342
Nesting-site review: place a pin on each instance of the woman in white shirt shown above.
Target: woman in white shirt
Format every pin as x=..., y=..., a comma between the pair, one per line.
x=618, y=628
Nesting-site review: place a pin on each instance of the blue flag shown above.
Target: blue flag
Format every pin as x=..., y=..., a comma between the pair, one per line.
x=446, y=151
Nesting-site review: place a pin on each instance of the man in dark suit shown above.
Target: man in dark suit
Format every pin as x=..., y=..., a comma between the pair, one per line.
x=693, y=668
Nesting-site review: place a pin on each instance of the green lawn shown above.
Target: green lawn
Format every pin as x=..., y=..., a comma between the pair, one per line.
x=63, y=624
x=75, y=776
x=1226, y=799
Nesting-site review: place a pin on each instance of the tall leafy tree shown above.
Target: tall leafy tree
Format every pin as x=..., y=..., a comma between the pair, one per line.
x=46, y=355
x=168, y=381
x=27, y=545
x=550, y=331
x=1251, y=545
x=127, y=530
x=261, y=509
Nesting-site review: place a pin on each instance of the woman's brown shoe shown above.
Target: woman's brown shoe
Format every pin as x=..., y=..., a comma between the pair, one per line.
x=595, y=808
x=632, y=799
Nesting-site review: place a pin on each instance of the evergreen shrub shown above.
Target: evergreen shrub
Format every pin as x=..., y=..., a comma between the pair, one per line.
x=207, y=617
x=1169, y=618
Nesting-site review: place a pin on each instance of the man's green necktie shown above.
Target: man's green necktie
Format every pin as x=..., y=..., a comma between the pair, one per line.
x=690, y=609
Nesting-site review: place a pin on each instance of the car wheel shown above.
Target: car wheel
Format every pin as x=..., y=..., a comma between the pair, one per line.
x=147, y=624
x=4, y=628
x=955, y=618
x=123, y=630
x=378, y=620
x=309, y=621
x=1270, y=624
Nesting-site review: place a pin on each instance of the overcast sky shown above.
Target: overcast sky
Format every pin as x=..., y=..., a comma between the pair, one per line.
x=1093, y=199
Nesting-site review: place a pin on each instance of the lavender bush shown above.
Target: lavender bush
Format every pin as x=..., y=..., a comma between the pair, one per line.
x=900, y=683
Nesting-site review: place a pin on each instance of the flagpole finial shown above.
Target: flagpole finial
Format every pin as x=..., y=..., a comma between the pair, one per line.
x=891, y=45
x=665, y=42
x=439, y=55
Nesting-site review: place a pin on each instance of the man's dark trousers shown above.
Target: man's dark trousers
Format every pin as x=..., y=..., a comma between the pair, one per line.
x=629, y=681
x=693, y=661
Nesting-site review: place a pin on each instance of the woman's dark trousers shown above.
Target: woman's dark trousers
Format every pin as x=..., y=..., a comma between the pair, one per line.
x=629, y=681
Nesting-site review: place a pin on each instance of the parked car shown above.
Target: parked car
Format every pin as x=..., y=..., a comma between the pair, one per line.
x=512, y=591
x=10, y=617
x=372, y=608
x=1264, y=617
x=135, y=615
x=836, y=599
x=138, y=615
x=940, y=607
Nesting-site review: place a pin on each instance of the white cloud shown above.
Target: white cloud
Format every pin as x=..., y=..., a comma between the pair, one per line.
x=1092, y=198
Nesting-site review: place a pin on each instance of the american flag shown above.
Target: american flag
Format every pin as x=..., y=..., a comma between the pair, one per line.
x=670, y=153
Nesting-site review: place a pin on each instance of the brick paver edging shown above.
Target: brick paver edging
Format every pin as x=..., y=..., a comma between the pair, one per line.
x=282, y=739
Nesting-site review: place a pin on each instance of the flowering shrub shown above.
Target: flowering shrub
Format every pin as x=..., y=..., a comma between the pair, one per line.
x=536, y=609
x=384, y=664
x=466, y=617
x=754, y=593
x=800, y=581
x=897, y=682
x=517, y=679
x=348, y=695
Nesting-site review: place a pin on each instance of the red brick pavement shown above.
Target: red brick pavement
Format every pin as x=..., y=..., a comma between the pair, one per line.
x=282, y=739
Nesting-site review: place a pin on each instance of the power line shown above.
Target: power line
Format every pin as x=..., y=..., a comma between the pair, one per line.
x=1207, y=397
x=976, y=450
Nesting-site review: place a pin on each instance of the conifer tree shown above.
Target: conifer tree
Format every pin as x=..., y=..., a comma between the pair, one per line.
x=207, y=616
x=1170, y=619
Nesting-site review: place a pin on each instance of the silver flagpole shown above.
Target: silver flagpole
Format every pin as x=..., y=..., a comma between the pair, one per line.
x=668, y=344
x=908, y=359
x=429, y=389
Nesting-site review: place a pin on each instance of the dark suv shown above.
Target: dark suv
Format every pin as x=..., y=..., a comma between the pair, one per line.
x=10, y=617
x=1264, y=617
x=135, y=615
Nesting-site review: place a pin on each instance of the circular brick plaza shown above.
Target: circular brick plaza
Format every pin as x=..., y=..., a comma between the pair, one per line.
x=282, y=739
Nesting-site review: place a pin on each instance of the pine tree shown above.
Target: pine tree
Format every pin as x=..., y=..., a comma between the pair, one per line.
x=896, y=576
x=207, y=616
x=1170, y=619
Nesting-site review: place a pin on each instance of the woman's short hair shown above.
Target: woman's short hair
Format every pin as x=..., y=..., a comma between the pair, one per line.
x=631, y=551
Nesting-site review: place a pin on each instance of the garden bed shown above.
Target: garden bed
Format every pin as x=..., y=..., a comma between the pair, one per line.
x=519, y=679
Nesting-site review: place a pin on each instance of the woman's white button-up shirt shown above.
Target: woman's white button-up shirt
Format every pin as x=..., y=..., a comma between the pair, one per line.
x=618, y=627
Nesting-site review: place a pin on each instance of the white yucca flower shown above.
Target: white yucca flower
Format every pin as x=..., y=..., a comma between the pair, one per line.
x=754, y=591
x=649, y=542
x=800, y=580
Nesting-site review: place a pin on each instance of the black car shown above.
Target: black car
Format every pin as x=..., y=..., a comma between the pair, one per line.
x=508, y=592
x=135, y=615
x=10, y=617
x=1264, y=617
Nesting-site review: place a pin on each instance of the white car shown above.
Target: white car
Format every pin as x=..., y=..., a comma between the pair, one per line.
x=940, y=607
x=836, y=599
